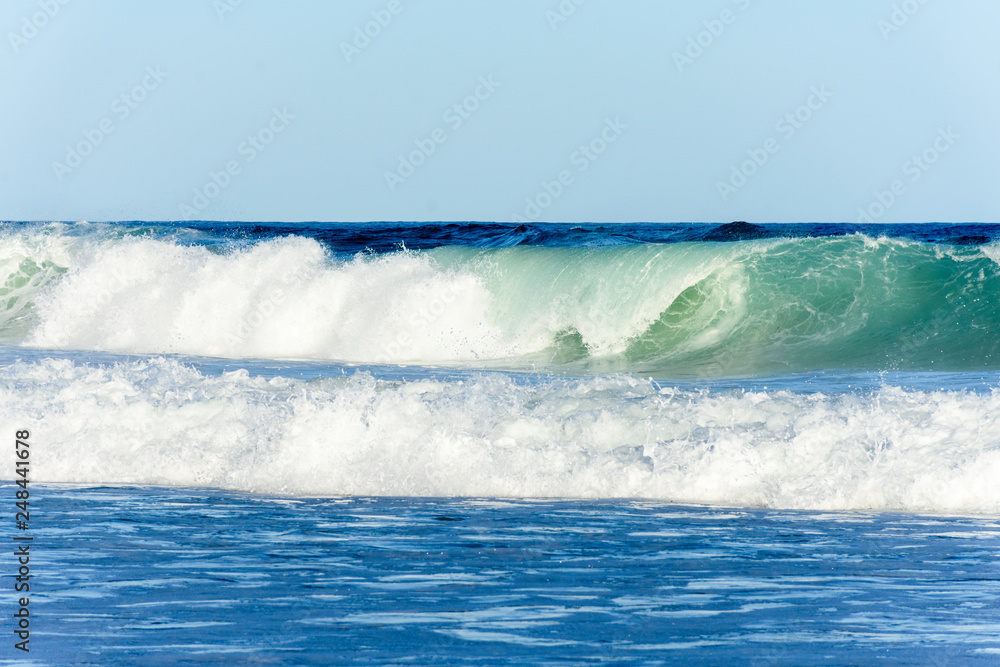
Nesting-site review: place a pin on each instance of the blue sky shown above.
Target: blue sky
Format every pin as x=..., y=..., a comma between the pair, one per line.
x=637, y=110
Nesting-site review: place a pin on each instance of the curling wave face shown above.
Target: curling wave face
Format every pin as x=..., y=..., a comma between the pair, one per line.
x=698, y=308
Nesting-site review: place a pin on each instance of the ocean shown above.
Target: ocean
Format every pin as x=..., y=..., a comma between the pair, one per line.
x=481, y=444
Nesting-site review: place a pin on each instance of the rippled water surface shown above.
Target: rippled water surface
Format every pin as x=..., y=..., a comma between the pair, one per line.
x=126, y=576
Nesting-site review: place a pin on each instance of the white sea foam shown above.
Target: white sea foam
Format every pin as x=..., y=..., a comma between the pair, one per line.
x=289, y=298
x=161, y=422
x=284, y=299
x=745, y=308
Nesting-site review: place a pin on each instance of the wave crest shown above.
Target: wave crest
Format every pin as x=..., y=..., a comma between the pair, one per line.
x=738, y=308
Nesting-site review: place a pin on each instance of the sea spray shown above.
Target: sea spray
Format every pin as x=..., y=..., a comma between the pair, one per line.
x=746, y=307
x=162, y=422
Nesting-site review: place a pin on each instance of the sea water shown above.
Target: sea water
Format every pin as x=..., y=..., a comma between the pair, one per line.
x=488, y=444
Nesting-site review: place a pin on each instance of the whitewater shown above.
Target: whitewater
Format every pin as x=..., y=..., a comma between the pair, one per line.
x=805, y=367
x=462, y=444
x=748, y=307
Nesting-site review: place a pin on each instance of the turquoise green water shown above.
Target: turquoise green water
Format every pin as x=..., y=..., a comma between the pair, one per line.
x=700, y=308
x=750, y=307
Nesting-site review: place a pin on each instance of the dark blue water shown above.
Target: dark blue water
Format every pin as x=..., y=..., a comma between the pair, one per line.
x=128, y=576
x=859, y=370
x=381, y=237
